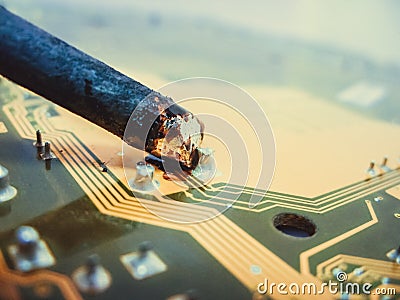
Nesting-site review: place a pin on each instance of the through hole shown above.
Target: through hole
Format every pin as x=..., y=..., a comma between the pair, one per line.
x=294, y=225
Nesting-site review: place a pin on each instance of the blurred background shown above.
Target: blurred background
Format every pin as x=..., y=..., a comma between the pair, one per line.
x=346, y=52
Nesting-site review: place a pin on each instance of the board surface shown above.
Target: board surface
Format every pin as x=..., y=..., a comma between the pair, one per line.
x=79, y=209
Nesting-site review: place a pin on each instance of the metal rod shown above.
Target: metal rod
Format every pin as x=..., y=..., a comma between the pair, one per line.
x=74, y=80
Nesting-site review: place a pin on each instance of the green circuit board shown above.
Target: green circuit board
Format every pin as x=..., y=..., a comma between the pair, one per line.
x=79, y=208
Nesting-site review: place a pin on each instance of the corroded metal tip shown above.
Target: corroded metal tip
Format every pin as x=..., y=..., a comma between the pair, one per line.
x=165, y=130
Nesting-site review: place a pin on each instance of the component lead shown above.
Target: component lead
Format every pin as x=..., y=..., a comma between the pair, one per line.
x=39, y=141
x=384, y=168
x=7, y=192
x=371, y=171
x=92, y=278
x=144, y=262
x=27, y=239
x=30, y=252
x=143, y=181
x=47, y=155
x=144, y=248
x=206, y=168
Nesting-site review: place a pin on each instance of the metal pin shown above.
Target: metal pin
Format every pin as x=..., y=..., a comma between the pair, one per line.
x=372, y=164
x=7, y=192
x=206, y=168
x=92, y=277
x=30, y=252
x=47, y=155
x=39, y=141
x=92, y=263
x=370, y=171
x=47, y=149
x=144, y=248
x=27, y=239
x=144, y=181
x=384, y=168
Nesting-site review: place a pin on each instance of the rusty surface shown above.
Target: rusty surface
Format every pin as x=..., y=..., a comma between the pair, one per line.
x=82, y=84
